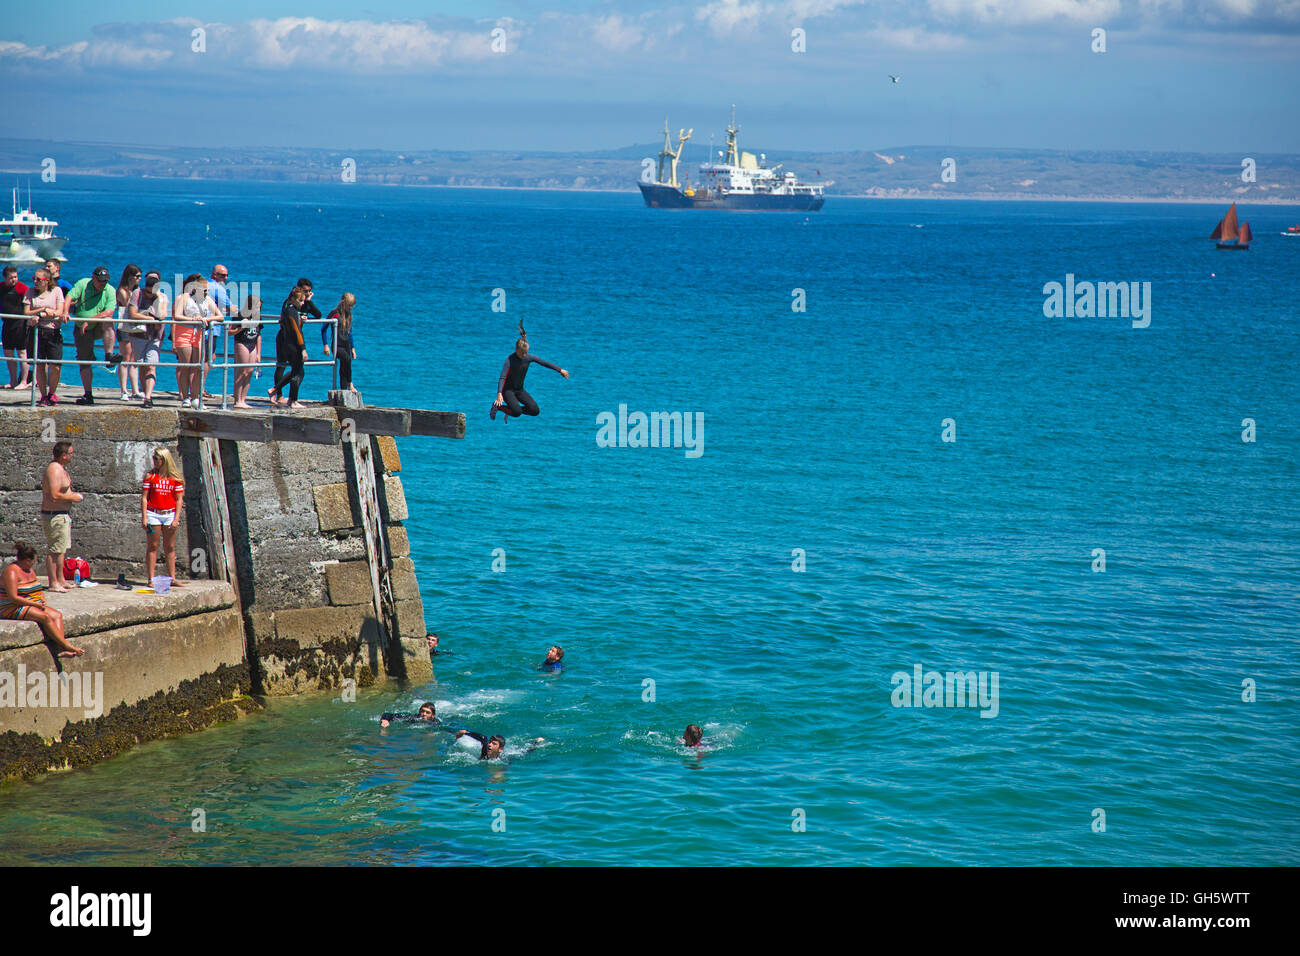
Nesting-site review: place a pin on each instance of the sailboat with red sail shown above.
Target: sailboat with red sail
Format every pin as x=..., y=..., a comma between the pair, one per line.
x=1229, y=235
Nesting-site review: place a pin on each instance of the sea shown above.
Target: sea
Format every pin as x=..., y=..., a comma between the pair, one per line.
x=901, y=468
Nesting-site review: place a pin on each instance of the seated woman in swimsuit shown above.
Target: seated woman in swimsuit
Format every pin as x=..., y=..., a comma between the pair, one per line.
x=22, y=598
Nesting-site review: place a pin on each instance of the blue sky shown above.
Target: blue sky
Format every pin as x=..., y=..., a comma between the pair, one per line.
x=1197, y=75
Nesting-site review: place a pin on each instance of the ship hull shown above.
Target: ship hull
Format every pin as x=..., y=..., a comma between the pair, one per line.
x=1232, y=245
x=25, y=249
x=659, y=196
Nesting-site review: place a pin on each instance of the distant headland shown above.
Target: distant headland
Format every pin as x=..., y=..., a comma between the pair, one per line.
x=903, y=172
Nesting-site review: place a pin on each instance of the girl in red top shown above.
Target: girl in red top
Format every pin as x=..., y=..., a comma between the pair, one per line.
x=161, y=499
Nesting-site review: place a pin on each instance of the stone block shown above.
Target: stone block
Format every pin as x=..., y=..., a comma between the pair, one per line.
x=349, y=583
x=415, y=659
x=405, y=586
x=410, y=620
x=333, y=507
x=314, y=626
x=399, y=544
x=396, y=499
x=392, y=462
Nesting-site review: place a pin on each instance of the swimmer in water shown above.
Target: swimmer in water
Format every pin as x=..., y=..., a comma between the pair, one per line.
x=494, y=745
x=554, y=660
x=692, y=736
x=512, y=400
x=432, y=638
x=425, y=713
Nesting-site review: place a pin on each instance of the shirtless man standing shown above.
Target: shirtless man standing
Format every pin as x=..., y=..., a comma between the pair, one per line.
x=57, y=499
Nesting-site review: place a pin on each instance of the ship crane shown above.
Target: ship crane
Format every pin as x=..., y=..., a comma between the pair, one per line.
x=668, y=153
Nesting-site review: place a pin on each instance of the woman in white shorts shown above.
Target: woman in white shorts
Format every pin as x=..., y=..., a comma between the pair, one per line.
x=161, y=500
x=147, y=310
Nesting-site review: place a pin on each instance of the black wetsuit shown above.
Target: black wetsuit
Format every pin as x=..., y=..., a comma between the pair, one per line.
x=290, y=351
x=283, y=355
x=483, y=742
x=410, y=719
x=511, y=385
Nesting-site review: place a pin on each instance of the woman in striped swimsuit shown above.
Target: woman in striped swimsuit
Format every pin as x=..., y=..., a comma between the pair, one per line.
x=22, y=598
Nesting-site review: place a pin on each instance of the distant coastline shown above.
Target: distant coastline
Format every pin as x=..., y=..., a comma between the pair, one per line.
x=632, y=192
x=906, y=172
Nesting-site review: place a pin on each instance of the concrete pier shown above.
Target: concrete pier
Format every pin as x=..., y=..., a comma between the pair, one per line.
x=296, y=563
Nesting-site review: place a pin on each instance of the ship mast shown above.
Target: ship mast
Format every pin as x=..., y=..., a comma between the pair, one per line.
x=733, y=158
x=668, y=153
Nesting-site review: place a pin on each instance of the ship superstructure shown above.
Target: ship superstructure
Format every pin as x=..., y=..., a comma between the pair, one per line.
x=737, y=180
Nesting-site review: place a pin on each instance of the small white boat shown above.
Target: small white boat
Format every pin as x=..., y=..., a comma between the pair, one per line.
x=29, y=237
x=1292, y=232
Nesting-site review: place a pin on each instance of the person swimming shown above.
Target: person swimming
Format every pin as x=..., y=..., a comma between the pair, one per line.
x=554, y=660
x=493, y=747
x=511, y=397
x=693, y=736
x=426, y=712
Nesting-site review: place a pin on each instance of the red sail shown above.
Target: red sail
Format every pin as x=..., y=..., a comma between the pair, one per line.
x=1226, y=230
x=1245, y=233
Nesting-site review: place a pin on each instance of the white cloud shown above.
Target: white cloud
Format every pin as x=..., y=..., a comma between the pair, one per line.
x=614, y=34
x=1021, y=12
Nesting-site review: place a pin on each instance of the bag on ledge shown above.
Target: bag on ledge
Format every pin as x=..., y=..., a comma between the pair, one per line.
x=71, y=565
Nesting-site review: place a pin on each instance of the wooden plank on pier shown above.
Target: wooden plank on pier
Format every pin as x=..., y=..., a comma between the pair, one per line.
x=437, y=424
x=236, y=426
x=314, y=431
x=377, y=421
x=216, y=514
x=381, y=585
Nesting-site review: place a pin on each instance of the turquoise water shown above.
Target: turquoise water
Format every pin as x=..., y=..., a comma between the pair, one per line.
x=822, y=432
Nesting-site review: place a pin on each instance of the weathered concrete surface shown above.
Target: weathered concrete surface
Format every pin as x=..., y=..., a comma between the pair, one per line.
x=388, y=456
x=317, y=648
x=89, y=610
x=153, y=665
x=349, y=583
x=396, y=510
x=136, y=662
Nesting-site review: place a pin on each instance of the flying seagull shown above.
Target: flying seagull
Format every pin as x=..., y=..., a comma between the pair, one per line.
x=894, y=78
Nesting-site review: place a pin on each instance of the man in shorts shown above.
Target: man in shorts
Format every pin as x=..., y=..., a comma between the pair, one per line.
x=91, y=298
x=57, y=499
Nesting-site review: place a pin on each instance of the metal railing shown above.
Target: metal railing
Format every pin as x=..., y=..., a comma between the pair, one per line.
x=207, y=327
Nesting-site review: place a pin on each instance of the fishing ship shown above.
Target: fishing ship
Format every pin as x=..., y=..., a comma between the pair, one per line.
x=739, y=180
x=1228, y=235
x=1292, y=232
x=27, y=237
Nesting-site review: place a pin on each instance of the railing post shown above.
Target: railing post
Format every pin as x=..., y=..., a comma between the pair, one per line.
x=225, y=365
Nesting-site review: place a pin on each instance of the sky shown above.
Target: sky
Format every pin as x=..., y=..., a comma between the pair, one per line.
x=1175, y=75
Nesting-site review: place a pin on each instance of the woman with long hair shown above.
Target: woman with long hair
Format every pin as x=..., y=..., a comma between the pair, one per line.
x=22, y=598
x=147, y=313
x=161, y=500
x=344, y=353
x=44, y=308
x=194, y=312
x=294, y=350
x=511, y=397
x=128, y=376
x=248, y=347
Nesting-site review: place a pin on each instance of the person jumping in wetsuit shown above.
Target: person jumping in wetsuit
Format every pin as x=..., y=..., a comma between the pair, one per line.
x=511, y=397
x=427, y=712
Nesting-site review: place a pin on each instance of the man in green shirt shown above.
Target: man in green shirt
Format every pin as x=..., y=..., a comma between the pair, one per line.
x=91, y=298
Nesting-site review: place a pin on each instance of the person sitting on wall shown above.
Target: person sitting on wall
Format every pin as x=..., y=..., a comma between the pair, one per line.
x=22, y=598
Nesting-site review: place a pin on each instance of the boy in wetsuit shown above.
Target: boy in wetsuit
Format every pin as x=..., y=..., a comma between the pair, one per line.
x=554, y=660
x=494, y=745
x=426, y=712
